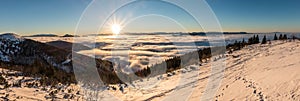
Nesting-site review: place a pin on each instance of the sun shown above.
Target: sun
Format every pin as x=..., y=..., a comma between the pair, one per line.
x=116, y=29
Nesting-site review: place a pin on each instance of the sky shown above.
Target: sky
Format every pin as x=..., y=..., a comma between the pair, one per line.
x=29, y=17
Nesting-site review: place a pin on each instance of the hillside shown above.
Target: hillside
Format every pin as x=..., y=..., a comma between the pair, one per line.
x=256, y=72
x=36, y=58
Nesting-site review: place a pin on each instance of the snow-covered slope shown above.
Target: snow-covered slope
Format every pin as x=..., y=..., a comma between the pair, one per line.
x=36, y=57
x=11, y=36
x=267, y=72
x=15, y=49
x=18, y=50
x=9, y=45
x=257, y=72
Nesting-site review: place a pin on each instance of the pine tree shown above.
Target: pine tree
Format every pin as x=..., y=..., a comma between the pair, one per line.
x=285, y=37
x=243, y=43
x=253, y=39
x=264, y=41
x=257, y=39
x=280, y=37
x=240, y=45
x=275, y=37
x=294, y=37
x=250, y=41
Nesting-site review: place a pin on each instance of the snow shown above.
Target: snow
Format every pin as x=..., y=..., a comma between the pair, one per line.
x=67, y=61
x=11, y=36
x=35, y=93
x=257, y=72
x=9, y=45
x=4, y=58
x=271, y=71
x=261, y=72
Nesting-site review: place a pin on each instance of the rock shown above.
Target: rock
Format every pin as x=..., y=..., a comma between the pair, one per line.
x=114, y=88
x=235, y=56
x=169, y=75
x=193, y=67
x=173, y=73
x=183, y=71
x=66, y=96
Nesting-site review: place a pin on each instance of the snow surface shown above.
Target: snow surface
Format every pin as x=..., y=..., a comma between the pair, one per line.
x=257, y=72
x=11, y=36
x=35, y=93
x=9, y=45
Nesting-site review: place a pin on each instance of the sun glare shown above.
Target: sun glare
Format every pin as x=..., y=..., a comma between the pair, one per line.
x=116, y=29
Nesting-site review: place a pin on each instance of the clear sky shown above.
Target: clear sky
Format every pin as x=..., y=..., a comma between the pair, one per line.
x=61, y=16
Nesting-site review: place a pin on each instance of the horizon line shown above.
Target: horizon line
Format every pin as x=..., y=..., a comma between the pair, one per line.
x=235, y=32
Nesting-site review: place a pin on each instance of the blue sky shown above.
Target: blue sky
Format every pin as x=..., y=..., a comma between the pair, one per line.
x=61, y=16
x=258, y=15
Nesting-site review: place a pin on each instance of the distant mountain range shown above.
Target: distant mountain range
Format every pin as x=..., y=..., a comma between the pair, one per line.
x=68, y=46
x=42, y=35
x=51, y=35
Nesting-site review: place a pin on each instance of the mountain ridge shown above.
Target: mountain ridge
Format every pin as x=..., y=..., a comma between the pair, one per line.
x=32, y=57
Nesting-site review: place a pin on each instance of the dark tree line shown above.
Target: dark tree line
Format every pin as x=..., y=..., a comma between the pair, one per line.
x=284, y=37
x=253, y=40
x=179, y=62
